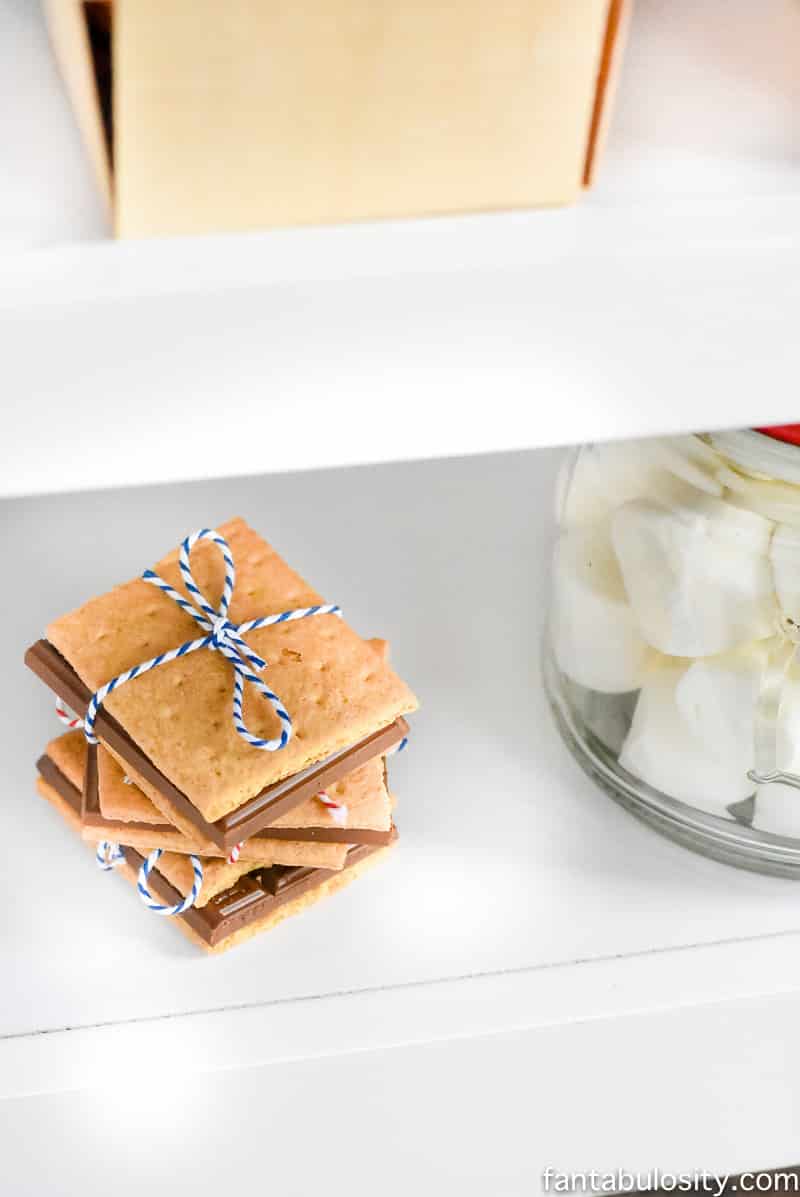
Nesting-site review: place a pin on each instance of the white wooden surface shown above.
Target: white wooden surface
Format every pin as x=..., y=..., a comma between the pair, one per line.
x=624, y=316
x=523, y=915
x=712, y=1087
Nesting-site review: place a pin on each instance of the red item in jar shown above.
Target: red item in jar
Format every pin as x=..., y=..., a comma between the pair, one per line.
x=783, y=432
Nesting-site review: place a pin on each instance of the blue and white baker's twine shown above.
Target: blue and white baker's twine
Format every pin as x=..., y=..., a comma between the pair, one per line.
x=157, y=907
x=221, y=636
x=109, y=855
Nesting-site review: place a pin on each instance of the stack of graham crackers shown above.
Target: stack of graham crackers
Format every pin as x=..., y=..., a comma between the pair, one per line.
x=271, y=831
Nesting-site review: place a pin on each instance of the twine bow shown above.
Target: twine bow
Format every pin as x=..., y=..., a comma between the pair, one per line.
x=220, y=635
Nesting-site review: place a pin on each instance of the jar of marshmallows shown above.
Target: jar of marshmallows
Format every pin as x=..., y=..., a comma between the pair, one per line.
x=673, y=645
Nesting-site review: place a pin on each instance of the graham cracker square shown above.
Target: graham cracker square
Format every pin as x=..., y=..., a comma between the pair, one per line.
x=335, y=687
x=178, y=872
x=69, y=753
x=218, y=874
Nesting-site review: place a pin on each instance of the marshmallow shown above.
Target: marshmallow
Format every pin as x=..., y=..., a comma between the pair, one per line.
x=777, y=805
x=696, y=572
x=784, y=555
x=788, y=738
x=594, y=634
x=757, y=455
x=596, y=479
x=687, y=458
x=778, y=501
x=717, y=698
x=662, y=750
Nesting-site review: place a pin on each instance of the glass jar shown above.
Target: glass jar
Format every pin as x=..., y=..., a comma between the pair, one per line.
x=672, y=660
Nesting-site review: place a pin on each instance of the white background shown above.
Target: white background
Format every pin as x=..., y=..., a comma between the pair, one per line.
x=575, y=993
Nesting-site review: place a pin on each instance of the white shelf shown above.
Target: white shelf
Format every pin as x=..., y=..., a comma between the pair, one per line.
x=667, y=300
x=522, y=906
x=117, y=380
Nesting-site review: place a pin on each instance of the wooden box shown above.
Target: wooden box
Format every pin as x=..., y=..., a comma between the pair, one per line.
x=214, y=115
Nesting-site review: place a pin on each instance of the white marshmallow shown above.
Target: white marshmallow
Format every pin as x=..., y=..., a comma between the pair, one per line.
x=696, y=572
x=788, y=739
x=784, y=555
x=717, y=698
x=596, y=479
x=662, y=751
x=593, y=630
x=777, y=805
x=687, y=458
x=758, y=456
x=775, y=500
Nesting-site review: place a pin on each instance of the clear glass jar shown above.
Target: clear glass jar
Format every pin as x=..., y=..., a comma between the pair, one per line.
x=672, y=660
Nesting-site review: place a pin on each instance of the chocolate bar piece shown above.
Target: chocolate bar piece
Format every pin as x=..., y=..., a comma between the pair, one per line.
x=254, y=896
x=255, y=814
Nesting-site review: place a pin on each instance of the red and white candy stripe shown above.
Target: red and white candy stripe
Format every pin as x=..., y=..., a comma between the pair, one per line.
x=67, y=717
x=336, y=810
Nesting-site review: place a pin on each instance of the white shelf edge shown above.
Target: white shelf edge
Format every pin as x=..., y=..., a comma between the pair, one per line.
x=341, y=1024
x=580, y=339
x=107, y=270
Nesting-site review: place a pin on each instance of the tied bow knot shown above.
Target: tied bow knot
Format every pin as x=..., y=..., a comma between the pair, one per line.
x=219, y=631
x=220, y=635
x=225, y=639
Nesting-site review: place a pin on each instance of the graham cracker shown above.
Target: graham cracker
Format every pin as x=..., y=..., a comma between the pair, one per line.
x=325, y=889
x=363, y=792
x=254, y=852
x=335, y=687
x=218, y=875
x=54, y=798
x=69, y=751
x=119, y=794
